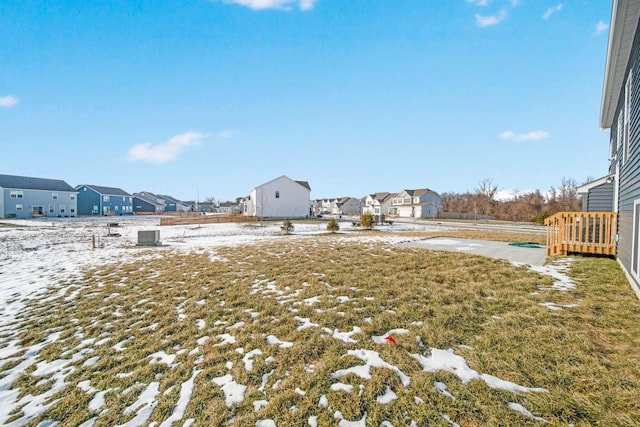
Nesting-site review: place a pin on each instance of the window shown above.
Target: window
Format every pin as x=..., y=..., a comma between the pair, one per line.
x=105, y=198
x=277, y=194
x=54, y=196
x=52, y=208
x=18, y=208
x=95, y=209
x=407, y=200
x=73, y=210
x=416, y=200
x=62, y=208
x=16, y=194
x=72, y=196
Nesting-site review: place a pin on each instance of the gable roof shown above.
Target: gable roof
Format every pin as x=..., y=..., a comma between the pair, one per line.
x=584, y=188
x=29, y=183
x=624, y=20
x=146, y=198
x=109, y=191
x=379, y=196
x=305, y=184
x=417, y=193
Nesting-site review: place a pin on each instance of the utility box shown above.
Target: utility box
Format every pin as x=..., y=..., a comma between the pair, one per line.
x=149, y=238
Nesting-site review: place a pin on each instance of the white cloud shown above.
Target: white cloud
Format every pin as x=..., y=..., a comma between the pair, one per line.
x=166, y=151
x=8, y=101
x=479, y=2
x=531, y=136
x=487, y=21
x=601, y=27
x=551, y=11
x=274, y=4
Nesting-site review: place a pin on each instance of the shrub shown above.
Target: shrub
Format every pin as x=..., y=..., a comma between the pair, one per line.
x=367, y=220
x=287, y=226
x=333, y=226
x=539, y=219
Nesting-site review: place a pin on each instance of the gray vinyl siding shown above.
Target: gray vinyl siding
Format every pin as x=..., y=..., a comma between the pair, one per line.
x=629, y=179
x=598, y=199
x=64, y=205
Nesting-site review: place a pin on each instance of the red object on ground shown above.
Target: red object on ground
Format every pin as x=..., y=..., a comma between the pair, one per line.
x=390, y=339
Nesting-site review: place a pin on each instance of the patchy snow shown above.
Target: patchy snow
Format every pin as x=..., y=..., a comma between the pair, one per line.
x=524, y=411
x=388, y=397
x=371, y=359
x=448, y=361
x=233, y=392
x=43, y=260
x=273, y=340
x=382, y=339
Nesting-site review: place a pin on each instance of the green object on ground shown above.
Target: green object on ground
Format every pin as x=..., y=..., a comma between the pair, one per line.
x=525, y=245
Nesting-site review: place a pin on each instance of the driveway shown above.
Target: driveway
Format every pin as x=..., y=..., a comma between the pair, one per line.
x=500, y=250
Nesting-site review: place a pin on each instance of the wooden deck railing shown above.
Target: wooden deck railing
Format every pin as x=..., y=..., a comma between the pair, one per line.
x=581, y=232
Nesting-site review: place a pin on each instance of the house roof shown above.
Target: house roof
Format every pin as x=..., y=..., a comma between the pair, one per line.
x=305, y=184
x=379, y=196
x=29, y=183
x=593, y=184
x=419, y=192
x=146, y=198
x=624, y=20
x=171, y=199
x=109, y=191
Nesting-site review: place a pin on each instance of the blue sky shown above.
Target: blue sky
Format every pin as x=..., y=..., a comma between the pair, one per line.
x=212, y=98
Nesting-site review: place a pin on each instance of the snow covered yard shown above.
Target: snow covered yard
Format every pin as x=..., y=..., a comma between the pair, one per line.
x=237, y=325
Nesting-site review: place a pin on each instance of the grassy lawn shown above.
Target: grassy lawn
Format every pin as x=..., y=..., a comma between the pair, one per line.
x=172, y=318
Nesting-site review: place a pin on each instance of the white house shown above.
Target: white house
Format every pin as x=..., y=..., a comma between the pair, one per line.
x=346, y=206
x=279, y=198
x=378, y=203
x=420, y=203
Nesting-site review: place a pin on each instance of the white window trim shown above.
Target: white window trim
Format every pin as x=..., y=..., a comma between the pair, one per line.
x=635, y=269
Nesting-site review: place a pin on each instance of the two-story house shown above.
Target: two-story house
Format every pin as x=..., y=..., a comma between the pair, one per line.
x=420, y=203
x=99, y=200
x=377, y=204
x=281, y=197
x=27, y=197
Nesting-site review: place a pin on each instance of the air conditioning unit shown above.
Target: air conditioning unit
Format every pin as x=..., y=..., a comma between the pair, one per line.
x=149, y=238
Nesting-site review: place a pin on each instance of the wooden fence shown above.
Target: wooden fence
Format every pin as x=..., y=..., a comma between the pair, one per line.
x=581, y=232
x=207, y=219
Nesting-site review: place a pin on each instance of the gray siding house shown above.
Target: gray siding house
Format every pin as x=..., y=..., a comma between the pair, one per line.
x=620, y=113
x=597, y=195
x=27, y=197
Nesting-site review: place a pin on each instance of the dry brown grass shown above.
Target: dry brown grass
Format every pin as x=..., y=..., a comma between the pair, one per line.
x=486, y=310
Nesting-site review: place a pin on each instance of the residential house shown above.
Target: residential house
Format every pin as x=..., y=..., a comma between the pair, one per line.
x=27, y=197
x=281, y=197
x=171, y=204
x=620, y=114
x=377, y=204
x=346, y=206
x=321, y=206
x=203, y=207
x=146, y=202
x=99, y=200
x=229, y=207
x=597, y=195
x=420, y=203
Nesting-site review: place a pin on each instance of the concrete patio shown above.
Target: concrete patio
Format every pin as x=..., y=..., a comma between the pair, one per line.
x=500, y=250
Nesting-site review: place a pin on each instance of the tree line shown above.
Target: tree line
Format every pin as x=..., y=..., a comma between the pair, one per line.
x=530, y=206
